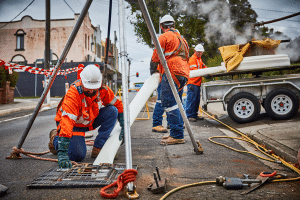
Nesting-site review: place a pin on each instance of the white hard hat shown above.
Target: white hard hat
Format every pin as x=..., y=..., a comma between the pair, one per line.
x=199, y=47
x=91, y=77
x=167, y=18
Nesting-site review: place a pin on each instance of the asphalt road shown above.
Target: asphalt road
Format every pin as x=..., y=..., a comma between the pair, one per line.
x=177, y=163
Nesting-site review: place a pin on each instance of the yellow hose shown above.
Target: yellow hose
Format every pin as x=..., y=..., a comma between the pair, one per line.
x=186, y=186
x=261, y=148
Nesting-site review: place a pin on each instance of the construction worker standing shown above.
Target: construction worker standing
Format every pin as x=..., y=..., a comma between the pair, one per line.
x=175, y=49
x=193, y=86
x=87, y=105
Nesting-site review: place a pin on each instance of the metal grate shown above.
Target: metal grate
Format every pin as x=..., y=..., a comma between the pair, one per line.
x=81, y=176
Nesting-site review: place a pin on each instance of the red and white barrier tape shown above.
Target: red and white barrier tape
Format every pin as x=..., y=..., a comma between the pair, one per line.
x=35, y=70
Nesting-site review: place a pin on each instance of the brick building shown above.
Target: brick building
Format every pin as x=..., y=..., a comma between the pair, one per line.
x=23, y=42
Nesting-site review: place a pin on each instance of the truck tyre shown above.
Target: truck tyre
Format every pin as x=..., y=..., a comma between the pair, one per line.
x=243, y=107
x=281, y=104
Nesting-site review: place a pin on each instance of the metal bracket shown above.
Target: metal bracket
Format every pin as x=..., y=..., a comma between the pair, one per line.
x=14, y=156
x=200, y=149
x=131, y=194
x=159, y=185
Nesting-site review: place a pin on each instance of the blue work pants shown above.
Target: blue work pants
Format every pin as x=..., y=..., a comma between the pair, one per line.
x=170, y=106
x=192, y=100
x=106, y=119
x=158, y=110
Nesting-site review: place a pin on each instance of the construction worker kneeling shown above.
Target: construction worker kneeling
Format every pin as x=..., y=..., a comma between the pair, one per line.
x=87, y=105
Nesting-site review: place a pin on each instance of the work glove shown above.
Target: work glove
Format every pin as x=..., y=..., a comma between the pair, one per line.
x=153, y=67
x=121, y=121
x=63, y=148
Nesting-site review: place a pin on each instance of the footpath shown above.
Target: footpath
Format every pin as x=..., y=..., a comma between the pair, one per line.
x=283, y=137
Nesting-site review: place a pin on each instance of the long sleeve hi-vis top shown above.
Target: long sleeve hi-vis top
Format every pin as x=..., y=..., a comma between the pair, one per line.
x=78, y=110
x=196, y=63
x=175, y=49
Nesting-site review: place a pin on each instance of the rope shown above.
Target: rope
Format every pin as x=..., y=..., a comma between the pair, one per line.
x=129, y=175
x=31, y=154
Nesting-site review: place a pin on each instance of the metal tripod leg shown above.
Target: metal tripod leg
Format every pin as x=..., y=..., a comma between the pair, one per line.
x=57, y=68
x=130, y=191
x=197, y=146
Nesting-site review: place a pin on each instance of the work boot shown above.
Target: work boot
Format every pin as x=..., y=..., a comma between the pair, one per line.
x=168, y=140
x=159, y=129
x=192, y=119
x=95, y=152
x=52, y=135
x=199, y=118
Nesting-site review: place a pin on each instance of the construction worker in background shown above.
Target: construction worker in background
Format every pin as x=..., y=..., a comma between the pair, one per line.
x=87, y=105
x=175, y=49
x=193, y=85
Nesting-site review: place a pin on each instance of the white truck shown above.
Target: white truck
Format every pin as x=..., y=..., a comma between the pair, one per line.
x=242, y=98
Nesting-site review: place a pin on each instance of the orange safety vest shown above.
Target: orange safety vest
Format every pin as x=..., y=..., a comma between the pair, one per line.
x=196, y=63
x=176, y=51
x=78, y=110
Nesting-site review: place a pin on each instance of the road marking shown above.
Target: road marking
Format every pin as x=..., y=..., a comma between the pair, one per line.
x=7, y=120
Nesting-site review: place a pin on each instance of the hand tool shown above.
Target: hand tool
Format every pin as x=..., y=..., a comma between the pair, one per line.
x=264, y=176
x=235, y=183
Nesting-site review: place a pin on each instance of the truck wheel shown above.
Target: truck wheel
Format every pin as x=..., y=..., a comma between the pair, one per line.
x=243, y=107
x=281, y=104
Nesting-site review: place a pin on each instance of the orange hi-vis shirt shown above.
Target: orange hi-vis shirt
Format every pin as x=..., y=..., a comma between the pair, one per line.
x=78, y=110
x=175, y=49
x=196, y=63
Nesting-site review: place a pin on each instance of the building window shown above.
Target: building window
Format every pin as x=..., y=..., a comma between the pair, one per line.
x=98, y=50
x=92, y=43
x=85, y=42
x=19, y=59
x=103, y=51
x=20, y=40
x=88, y=43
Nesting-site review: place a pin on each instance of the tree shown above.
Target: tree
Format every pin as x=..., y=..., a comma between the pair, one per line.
x=212, y=23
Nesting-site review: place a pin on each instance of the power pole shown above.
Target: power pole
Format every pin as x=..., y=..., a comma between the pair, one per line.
x=47, y=45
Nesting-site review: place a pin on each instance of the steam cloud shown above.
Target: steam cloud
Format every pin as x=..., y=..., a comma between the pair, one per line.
x=220, y=25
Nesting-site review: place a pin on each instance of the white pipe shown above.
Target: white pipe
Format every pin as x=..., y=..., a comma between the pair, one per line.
x=248, y=63
x=111, y=146
x=207, y=71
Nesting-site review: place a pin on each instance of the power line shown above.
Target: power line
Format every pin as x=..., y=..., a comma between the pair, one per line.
x=18, y=14
x=286, y=26
x=272, y=10
x=91, y=14
x=69, y=6
x=284, y=20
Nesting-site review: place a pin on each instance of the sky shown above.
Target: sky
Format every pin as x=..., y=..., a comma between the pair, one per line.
x=138, y=53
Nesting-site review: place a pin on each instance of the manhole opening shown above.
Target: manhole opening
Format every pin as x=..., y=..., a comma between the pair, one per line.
x=84, y=175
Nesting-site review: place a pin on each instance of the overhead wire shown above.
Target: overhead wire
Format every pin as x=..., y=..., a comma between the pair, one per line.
x=69, y=6
x=272, y=10
x=18, y=14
